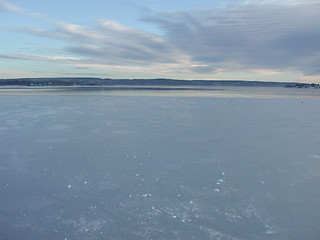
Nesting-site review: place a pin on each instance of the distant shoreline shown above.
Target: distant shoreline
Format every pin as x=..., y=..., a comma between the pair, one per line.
x=30, y=82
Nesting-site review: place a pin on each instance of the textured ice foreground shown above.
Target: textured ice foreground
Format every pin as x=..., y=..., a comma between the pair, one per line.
x=97, y=166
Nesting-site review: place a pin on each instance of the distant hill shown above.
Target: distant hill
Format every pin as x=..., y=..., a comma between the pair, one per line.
x=143, y=82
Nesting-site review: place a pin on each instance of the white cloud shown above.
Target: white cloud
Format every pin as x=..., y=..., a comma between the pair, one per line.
x=253, y=36
x=275, y=35
x=10, y=7
x=40, y=58
x=112, y=44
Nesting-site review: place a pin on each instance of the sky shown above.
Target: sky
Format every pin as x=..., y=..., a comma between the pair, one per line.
x=265, y=40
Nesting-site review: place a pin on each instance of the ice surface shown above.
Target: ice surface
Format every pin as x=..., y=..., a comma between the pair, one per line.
x=98, y=166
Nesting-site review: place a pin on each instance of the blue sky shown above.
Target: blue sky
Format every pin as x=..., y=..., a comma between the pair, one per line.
x=265, y=40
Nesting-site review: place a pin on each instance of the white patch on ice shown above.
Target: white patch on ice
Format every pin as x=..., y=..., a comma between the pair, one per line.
x=249, y=211
x=69, y=186
x=84, y=225
x=216, y=235
x=270, y=230
x=219, y=181
x=232, y=217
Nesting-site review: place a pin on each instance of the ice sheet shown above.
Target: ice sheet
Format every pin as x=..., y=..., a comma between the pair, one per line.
x=143, y=167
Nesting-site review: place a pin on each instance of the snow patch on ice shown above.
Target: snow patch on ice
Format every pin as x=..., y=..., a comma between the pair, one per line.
x=216, y=235
x=146, y=195
x=315, y=156
x=219, y=181
x=232, y=217
x=270, y=229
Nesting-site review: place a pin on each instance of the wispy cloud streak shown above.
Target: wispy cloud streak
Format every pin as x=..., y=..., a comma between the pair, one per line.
x=113, y=44
x=6, y=6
